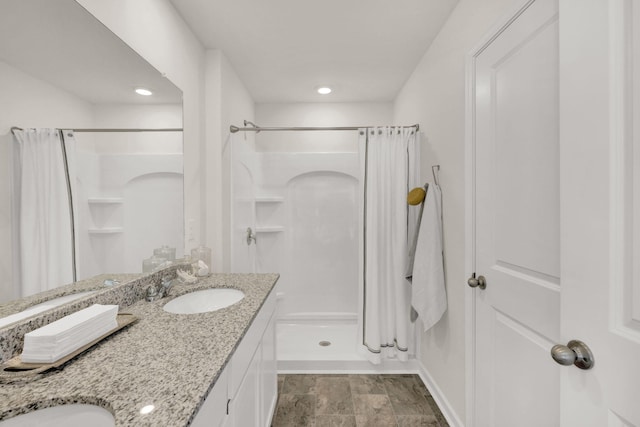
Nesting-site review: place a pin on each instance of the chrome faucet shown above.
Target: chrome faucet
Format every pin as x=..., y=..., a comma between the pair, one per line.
x=160, y=290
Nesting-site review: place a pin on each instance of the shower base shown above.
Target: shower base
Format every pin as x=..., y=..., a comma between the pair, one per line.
x=302, y=348
x=300, y=341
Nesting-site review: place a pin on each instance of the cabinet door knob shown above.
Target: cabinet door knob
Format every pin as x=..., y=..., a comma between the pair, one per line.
x=574, y=353
x=251, y=236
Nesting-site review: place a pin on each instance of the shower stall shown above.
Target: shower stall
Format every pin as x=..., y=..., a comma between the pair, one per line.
x=304, y=210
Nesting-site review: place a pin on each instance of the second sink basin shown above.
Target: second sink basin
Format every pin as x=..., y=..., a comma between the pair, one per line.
x=204, y=301
x=74, y=415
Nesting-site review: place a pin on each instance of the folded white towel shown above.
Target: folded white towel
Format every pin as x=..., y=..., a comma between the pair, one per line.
x=414, y=242
x=428, y=293
x=62, y=337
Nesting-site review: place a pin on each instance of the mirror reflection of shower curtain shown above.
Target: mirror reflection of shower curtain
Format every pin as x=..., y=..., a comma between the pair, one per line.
x=44, y=180
x=388, y=169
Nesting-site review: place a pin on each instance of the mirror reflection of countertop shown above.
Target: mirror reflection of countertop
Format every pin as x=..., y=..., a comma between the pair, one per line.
x=167, y=360
x=90, y=284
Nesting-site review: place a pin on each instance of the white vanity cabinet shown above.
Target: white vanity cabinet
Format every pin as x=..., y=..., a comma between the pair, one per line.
x=245, y=393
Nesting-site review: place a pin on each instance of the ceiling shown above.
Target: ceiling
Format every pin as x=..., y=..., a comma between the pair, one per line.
x=283, y=49
x=63, y=44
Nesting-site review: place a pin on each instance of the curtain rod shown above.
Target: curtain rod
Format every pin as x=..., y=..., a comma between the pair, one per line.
x=14, y=128
x=257, y=129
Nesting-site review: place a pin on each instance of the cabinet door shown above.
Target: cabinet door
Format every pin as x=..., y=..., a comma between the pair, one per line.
x=214, y=409
x=245, y=406
x=268, y=373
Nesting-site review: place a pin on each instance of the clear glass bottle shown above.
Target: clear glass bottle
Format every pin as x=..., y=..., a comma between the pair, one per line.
x=201, y=253
x=150, y=264
x=165, y=252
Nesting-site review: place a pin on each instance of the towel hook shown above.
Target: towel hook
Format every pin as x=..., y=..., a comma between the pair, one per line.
x=435, y=169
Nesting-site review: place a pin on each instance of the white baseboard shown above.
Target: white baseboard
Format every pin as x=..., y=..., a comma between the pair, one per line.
x=443, y=403
x=346, y=367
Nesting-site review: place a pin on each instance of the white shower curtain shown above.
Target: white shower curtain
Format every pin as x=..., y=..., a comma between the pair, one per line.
x=43, y=247
x=388, y=169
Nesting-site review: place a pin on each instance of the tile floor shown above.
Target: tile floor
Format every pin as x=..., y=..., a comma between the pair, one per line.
x=355, y=401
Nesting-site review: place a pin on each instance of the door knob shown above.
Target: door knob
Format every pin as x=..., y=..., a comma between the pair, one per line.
x=480, y=282
x=574, y=353
x=251, y=236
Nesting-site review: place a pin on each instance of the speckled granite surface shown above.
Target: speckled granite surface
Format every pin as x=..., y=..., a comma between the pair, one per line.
x=167, y=360
x=93, y=283
x=131, y=289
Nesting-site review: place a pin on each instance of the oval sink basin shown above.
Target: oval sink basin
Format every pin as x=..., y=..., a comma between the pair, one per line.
x=76, y=415
x=204, y=301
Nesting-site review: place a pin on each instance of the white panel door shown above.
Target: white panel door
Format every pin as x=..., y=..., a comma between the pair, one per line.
x=517, y=220
x=600, y=208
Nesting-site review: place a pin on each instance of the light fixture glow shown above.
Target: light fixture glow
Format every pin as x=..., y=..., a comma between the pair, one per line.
x=147, y=409
x=324, y=90
x=144, y=92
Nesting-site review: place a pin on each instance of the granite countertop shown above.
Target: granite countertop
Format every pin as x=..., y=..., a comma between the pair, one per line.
x=167, y=360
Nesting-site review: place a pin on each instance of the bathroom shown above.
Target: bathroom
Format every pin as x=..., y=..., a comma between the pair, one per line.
x=434, y=92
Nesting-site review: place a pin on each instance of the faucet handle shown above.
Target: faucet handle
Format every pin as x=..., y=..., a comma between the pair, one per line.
x=152, y=293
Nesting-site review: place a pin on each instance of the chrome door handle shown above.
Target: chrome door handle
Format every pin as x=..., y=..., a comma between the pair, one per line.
x=480, y=282
x=251, y=236
x=574, y=353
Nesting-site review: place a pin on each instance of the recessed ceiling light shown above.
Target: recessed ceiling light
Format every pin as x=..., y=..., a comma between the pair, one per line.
x=324, y=90
x=144, y=92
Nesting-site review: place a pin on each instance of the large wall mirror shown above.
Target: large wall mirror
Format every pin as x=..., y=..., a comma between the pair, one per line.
x=60, y=68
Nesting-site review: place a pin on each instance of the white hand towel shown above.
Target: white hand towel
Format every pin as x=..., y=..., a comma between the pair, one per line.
x=428, y=293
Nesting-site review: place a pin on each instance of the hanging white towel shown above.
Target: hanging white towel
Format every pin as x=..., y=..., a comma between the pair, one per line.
x=428, y=294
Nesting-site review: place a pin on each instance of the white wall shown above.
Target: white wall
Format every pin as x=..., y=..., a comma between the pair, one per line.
x=318, y=114
x=434, y=96
x=28, y=102
x=227, y=102
x=157, y=32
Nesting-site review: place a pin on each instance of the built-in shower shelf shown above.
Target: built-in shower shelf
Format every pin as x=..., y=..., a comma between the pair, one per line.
x=106, y=230
x=105, y=200
x=270, y=229
x=269, y=199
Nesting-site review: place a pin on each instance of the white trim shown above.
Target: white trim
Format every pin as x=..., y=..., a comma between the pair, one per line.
x=469, y=244
x=621, y=168
x=411, y=366
x=470, y=193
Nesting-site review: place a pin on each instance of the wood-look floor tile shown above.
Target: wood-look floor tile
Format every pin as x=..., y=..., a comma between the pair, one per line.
x=366, y=384
x=372, y=404
x=405, y=395
x=333, y=396
x=299, y=384
x=295, y=410
x=335, y=421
